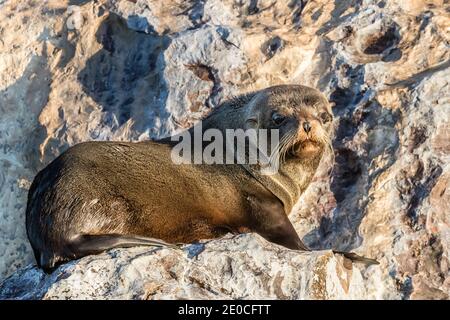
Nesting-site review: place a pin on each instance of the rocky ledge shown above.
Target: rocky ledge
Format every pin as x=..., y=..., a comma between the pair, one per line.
x=242, y=267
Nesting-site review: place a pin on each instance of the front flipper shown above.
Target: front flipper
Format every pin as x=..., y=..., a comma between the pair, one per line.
x=272, y=223
x=283, y=233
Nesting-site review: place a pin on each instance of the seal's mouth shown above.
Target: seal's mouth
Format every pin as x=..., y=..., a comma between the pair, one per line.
x=302, y=145
x=306, y=148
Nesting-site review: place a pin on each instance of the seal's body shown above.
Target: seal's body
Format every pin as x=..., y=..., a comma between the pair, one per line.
x=101, y=195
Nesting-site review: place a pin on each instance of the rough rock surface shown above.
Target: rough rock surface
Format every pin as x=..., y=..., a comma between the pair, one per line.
x=73, y=71
x=248, y=268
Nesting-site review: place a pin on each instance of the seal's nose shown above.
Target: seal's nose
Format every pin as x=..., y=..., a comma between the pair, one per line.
x=307, y=126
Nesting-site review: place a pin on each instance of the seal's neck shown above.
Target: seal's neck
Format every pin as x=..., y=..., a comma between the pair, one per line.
x=291, y=179
x=293, y=175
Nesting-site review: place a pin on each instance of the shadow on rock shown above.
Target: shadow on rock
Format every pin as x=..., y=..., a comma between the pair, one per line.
x=20, y=106
x=126, y=77
x=365, y=132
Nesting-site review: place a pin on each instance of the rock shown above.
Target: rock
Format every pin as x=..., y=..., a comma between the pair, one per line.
x=73, y=71
x=250, y=268
x=75, y=19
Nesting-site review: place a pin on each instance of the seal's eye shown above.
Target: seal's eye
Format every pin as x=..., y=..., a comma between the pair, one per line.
x=277, y=118
x=325, y=117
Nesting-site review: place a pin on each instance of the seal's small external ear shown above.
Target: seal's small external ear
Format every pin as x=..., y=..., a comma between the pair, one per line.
x=252, y=113
x=251, y=123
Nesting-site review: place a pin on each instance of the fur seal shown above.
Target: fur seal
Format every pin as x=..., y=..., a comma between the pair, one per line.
x=101, y=195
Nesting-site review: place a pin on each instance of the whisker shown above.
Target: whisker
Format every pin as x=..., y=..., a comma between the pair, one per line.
x=275, y=155
x=287, y=145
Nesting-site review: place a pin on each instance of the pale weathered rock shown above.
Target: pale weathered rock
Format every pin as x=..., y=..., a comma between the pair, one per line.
x=75, y=19
x=249, y=268
x=73, y=71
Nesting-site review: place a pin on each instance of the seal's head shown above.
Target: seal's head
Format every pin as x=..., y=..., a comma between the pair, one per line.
x=302, y=115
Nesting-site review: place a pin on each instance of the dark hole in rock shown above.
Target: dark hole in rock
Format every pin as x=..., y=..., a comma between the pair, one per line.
x=201, y=71
x=272, y=46
x=348, y=30
x=378, y=43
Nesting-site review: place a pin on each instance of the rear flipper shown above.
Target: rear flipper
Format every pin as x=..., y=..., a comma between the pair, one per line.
x=84, y=245
x=357, y=258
